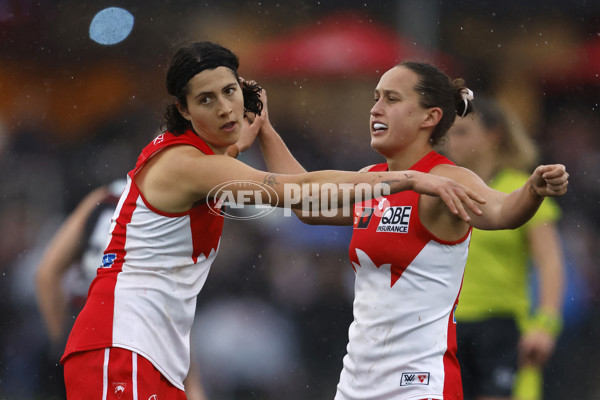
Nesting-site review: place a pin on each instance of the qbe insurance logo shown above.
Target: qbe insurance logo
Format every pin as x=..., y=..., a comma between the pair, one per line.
x=395, y=219
x=237, y=195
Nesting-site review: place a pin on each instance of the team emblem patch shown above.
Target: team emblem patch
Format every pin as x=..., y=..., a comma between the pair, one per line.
x=361, y=221
x=119, y=388
x=414, y=378
x=395, y=219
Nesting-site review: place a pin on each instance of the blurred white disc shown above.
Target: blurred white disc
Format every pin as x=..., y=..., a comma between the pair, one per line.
x=111, y=25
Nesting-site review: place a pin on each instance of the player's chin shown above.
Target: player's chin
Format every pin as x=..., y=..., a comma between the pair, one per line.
x=231, y=139
x=378, y=144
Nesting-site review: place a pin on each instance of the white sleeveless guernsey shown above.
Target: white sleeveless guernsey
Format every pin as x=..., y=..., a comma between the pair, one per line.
x=402, y=342
x=155, y=264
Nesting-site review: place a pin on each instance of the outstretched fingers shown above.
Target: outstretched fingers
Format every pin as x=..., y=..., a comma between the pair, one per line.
x=470, y=198
x=454, y=205
x=459, y=199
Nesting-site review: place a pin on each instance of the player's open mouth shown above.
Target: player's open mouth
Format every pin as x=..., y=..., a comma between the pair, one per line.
x=229, y=126
x=378, y=128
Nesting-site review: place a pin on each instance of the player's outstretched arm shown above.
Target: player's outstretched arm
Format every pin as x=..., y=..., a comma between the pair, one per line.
x=181, y=176
x=509, y=211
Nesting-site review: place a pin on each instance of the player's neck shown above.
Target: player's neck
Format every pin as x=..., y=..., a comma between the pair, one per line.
x=407, y=159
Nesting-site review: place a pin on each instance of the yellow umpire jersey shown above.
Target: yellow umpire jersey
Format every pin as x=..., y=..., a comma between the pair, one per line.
x=496, y=276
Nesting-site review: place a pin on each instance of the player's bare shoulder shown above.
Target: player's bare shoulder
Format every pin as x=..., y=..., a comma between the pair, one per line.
x=180, y=159
x=459, y=174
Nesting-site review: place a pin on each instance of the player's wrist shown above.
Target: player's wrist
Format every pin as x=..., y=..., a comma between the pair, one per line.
x=410, y=179
x=233, y=151
x=546, y=321
x=533, y=191
x=266, y=129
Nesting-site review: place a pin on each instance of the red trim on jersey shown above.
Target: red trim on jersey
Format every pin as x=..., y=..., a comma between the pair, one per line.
x=94, y=334
x=452, y=377
x=166, y=139
x=206, y=230
x=119, y=233
x=425, y=164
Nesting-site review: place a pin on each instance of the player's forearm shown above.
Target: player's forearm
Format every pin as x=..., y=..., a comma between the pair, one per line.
x=52, y=304
x=278, y=157
x=519, y=206
x=551, y=288
x=331, y=189
x=378, y=182
x=548, y=257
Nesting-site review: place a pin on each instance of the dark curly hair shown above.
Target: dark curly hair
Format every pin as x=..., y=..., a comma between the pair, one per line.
x=189, y=61
x=436, y=89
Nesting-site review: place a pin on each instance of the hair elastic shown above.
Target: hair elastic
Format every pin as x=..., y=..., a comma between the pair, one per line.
x=467, y=94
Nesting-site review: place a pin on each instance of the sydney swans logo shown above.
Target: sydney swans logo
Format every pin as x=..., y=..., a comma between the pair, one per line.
x=236, y=195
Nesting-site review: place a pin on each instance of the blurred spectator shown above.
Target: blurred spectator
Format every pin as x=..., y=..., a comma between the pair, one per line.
x=75, y=252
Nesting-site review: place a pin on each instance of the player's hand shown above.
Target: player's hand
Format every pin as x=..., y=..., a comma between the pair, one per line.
x=536, y=347
x=265, y=111
x=250, y=128
x=550, y=180
x=455, y=195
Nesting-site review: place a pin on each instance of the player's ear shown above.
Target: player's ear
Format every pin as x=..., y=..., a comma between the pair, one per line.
x=183, y=111
x=432, y=117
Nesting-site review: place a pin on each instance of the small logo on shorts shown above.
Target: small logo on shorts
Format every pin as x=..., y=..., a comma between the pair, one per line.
x=119, y=388
x=153, y=397
x=414, y=378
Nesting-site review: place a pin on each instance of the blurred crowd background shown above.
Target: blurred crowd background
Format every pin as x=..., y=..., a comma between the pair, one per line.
x=272, y=319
